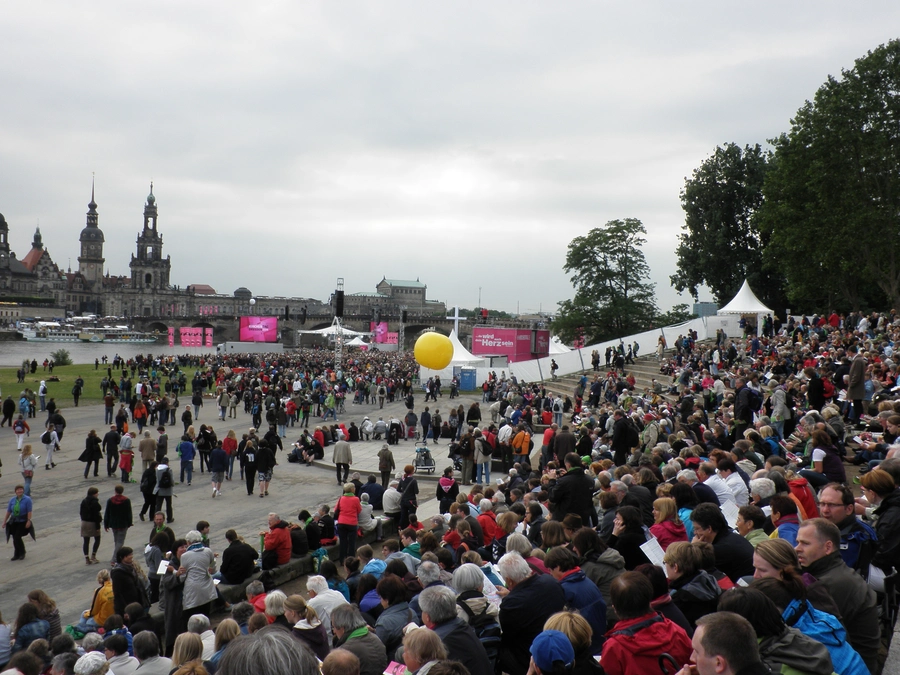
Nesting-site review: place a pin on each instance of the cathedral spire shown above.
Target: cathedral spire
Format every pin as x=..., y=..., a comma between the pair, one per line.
x=92, y=205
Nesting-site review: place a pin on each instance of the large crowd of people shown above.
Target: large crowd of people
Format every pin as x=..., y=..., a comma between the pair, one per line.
x=707, y=523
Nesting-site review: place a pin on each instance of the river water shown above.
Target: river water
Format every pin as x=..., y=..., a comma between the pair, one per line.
x=14, y=353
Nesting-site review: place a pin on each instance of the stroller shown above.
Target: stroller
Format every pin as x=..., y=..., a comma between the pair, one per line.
x=424, y=460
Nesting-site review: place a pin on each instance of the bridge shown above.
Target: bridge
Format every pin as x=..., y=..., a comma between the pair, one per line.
x=226, y=328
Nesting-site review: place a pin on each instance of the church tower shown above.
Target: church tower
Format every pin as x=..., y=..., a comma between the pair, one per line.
x=149, y=270
x=90, y=262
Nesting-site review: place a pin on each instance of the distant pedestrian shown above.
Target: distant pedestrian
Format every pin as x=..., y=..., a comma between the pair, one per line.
x=118, y=518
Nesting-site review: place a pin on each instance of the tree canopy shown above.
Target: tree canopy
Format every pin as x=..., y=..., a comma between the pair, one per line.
x=721, y=244
x=613, y=296
x=832, y=196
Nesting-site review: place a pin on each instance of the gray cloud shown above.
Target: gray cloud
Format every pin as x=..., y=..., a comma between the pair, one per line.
x=465, y=144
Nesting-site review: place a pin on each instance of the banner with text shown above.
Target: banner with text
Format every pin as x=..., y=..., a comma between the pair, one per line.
x=519, y=344
x=259, y=329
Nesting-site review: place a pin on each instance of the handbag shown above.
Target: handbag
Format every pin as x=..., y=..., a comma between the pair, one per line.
x=28, y=473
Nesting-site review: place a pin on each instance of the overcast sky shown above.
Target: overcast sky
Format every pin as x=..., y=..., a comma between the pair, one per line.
x=463, y=143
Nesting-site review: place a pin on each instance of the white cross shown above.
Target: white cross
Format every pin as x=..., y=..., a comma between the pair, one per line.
x=456, y=317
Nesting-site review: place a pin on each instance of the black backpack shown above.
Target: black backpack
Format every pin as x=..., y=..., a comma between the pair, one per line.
x=165, y=481
x=632, y=434
x=45, y=438
x=754, y=399
x=487, y=628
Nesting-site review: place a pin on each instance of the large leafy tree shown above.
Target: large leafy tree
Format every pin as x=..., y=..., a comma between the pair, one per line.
x=613, y=296
x=720, y=244
x=832, y=195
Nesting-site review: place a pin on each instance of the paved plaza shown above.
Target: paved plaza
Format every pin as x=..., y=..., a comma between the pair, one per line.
x=55, y=562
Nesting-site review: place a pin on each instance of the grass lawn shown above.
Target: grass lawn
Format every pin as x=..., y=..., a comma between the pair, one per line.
x=62, y=390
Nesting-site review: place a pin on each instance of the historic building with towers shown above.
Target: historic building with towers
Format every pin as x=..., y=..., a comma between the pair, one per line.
x=37, y=284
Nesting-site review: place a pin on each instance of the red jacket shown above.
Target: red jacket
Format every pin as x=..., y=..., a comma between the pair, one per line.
x=801, y=491
x=667, y=532
x=633, y=646
x=488, y=522
x=347, y=510
x=278, y=539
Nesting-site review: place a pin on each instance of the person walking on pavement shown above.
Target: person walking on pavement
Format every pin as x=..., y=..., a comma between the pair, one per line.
x=386, y=465
x=436, y=426
x=27, y=465
x=17, y=521
x=248, y=464
x=21, y=430
x=111, y=447
x=92, y=453
x=342, y=458
x=265, y=466
x=50, y=439
x=165, y=482
x=118, y=518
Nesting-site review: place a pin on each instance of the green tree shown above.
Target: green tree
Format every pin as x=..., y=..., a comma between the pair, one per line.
x=61, y=357
x=678, y=314
x=612, y=295
x=720, y=244
x=832, y=195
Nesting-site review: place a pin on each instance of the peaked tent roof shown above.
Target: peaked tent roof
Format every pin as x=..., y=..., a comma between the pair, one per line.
x=557, y=347
x=460, y=353
x=745, y=302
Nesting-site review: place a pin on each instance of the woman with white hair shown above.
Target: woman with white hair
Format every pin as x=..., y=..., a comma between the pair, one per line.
x=198, y=564
x=275, y=609
x=92, y=663
x=468, y=580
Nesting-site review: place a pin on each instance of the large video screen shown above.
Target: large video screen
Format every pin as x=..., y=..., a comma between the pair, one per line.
x=259, y=329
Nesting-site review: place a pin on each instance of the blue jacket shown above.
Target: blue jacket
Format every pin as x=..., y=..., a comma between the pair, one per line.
x=825, y=628
x=25, y=508
x=25, y=635
x=583, y=596
x=375, y=567
x=187, y=451
x=858, y=543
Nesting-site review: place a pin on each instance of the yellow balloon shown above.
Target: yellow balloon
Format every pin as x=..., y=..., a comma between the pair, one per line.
x=434, y=351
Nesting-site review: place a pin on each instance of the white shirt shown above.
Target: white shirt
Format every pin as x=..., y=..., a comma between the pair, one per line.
x=123, y=665
x=738, y=488
x=720, y=488
x=209, y=644
x=323, y=603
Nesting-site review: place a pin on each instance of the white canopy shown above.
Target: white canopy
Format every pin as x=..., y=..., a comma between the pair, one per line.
x=332, y=330
x=557, y=347
x=357, y=342
x=461, y=355
x=745, y=302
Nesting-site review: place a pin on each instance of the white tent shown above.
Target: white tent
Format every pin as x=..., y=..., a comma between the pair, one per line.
x=461, y=355
x=332, y=330
x=357, y=342
x=745, y=302
x=557, y=347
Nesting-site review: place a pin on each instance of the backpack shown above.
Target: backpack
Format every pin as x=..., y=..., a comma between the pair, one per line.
x=557, y=407
x=165, y=481
x=19, y=425
x=754, y=399
x=632, y=435
x=45, y=438
x=487, y=628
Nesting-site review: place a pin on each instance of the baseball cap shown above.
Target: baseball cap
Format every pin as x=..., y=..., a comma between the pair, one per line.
x=551, y=646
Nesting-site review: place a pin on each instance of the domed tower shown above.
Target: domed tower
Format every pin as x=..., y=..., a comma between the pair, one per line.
x=90, y=262
x=149, y=270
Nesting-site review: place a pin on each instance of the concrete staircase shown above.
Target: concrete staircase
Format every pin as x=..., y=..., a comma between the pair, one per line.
x=645, y=368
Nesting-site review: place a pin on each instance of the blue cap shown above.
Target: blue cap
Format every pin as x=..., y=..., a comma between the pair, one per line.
x=550, y=646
